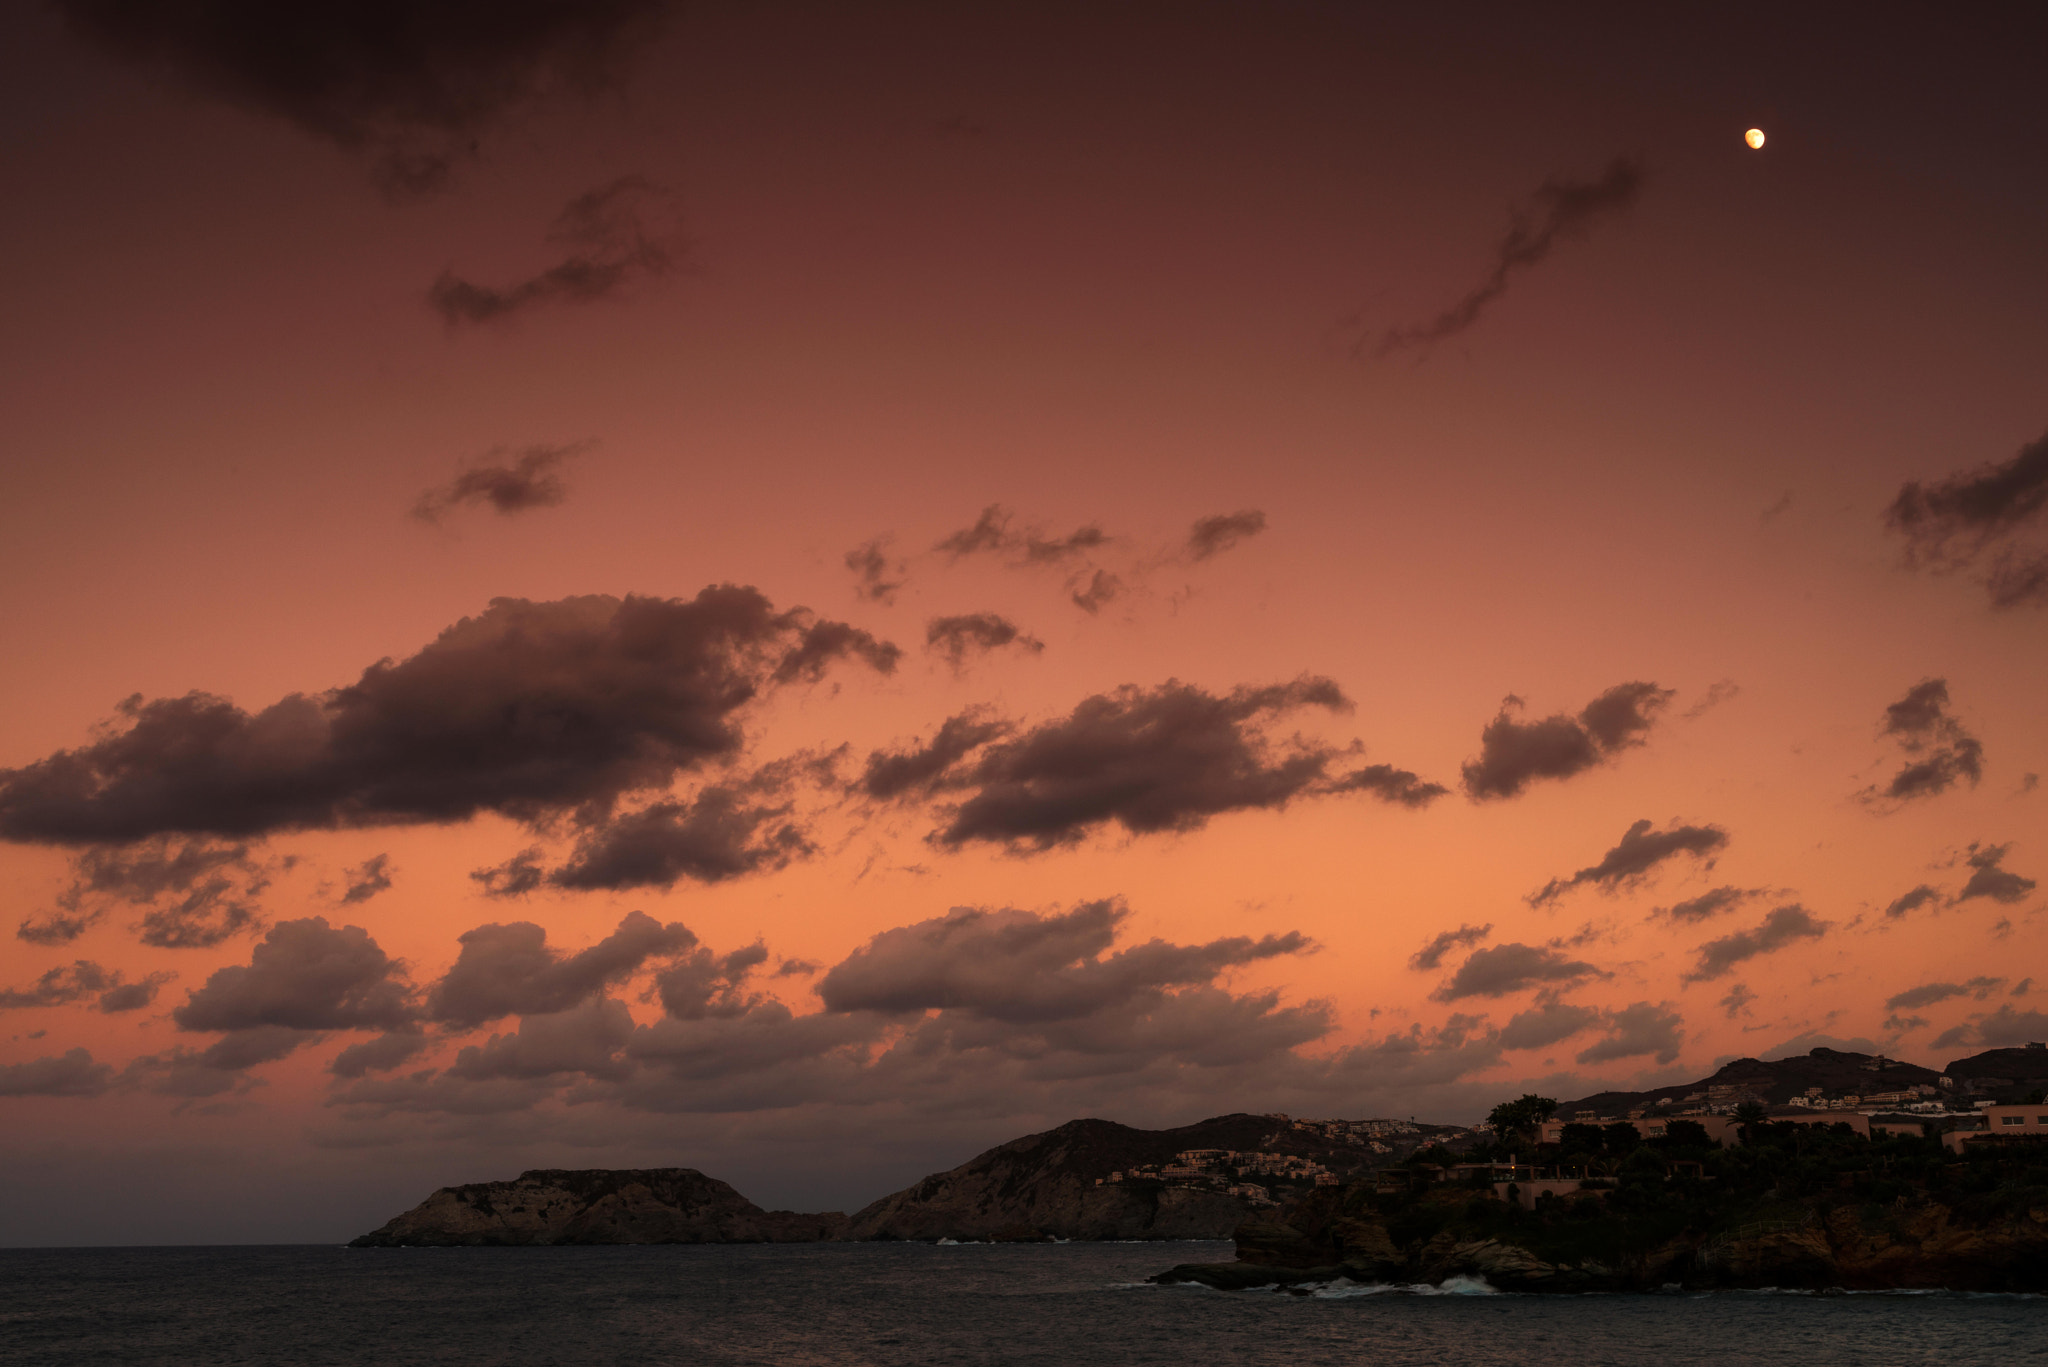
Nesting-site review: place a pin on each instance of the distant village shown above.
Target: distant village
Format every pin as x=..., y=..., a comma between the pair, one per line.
x=1958, y=1110
x=1252, y=1176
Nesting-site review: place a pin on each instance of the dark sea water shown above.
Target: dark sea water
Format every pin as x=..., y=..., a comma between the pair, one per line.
x=823, y=1305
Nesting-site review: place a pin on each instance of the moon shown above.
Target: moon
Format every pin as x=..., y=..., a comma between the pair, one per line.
x=1754, y=137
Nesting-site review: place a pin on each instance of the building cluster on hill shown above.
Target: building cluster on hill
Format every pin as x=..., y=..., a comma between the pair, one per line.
x=1246, y=1175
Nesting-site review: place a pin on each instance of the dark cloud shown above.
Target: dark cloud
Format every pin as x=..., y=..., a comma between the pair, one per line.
x=990, y=532
x=508, y=970
x=614, y=235
x=1018, y=967
x=1514, y=753
x=700, y=985
x=1780, y=927
x=1901, y=1025
x=1388, y=784
x=194, y=893
x=1546, y=1024
x=954, y=639
x=1162, y=759
x=1718, y=692
x=133, y=996
x=1634, y=1031
x=2008, y=1028
x=411, y=86
x=1924, y=895
x=587, y=1039
x=53, y=927
x=1988, y=880
x=1940, y=753
x=1927, y=994
x=1514, y=967
x=1969, y=519
x=1101, y=588
x=1561, y=208
x=1430, y=957
x=1215, y=535
x=72, y=1073
x=876, y=576
x=528, y=709
x=390, y=1050
x=1738, y=1000
x=723, y=832
x=824, y=644
x=366, y=880
x=1705, y=907
x=924, y=768
x=529, y=481
x=60, y=986
x=1639, y=850
x=516, y=877
x=303, y=976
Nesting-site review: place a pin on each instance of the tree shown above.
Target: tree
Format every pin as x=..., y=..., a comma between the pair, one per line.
x=1522, y=1116
x=1749, y=1115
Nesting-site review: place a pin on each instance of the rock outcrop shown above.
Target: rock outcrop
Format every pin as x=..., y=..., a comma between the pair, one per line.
x=629, y=1206
x=1911, y=1244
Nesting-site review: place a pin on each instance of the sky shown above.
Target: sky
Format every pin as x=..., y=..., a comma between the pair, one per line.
x=800, y=590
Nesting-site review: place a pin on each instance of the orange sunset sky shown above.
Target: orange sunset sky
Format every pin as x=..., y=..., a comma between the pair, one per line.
x=800, y=590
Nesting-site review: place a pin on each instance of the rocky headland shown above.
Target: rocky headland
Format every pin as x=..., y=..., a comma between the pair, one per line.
x=598, y=1206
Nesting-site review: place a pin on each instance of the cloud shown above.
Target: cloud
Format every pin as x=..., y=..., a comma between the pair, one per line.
x=614, y=235
x=195, y=893
x=303, y=978
x=132, y=996
x=988, y=1009
x=1514, y=967
x=528, y=710
x=1637, y=1030
x=412, y=87
x=954, y=639
x=1927, y=994
x=72, y=1073
x=1738, y=1001
x=529, y=481
x=366, y=880
x=60, y=986
x=509, y=970
x=1101, y=589
x=876, y=576
x=1924, y=895
x=1780, y=927
x=1705, y=907
x=1215, y=535
x=1430, y=957
x=1019, y=967
x=726, y=831
x=924, y=768
x=1561, y=208
x=1547, y=1023
x=1150, y=760
x=990, y=532
x=1720, y=691
x=1989, y=880
x=1940, y=753
x=1639, y=850
x=1515, y=753
x=392, y=1049
x=1967, y=519
x=516, y=877
x=2008, y=1028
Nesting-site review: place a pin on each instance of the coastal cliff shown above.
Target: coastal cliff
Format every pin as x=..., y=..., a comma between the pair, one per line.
x=598, y=1206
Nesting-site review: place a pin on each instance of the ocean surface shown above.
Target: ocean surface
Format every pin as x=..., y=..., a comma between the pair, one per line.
x=826, y=1305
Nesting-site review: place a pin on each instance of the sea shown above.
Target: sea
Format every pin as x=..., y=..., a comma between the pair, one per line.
x=841, y=1305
